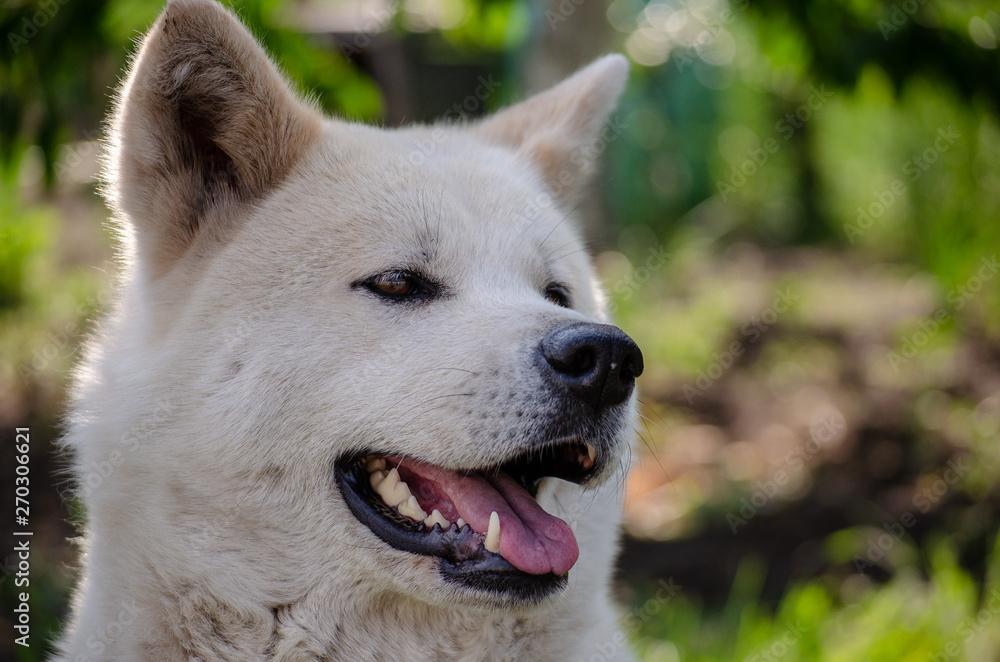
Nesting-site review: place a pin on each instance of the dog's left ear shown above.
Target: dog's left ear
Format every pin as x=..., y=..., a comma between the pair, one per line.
x=559, y=130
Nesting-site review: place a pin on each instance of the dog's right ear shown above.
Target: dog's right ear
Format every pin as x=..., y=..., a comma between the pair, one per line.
x=558, y=130
x=205, y=124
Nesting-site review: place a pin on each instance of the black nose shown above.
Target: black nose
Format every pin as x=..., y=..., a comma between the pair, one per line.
x=598, y=363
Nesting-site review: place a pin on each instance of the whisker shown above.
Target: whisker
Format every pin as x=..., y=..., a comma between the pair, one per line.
x=438, y=397
x=471, y=372
x=654, y=413
x=427, y=411
x=596, y=188
x=548, y=256
x=649, y=445
x=573, y=252
x=622, y=477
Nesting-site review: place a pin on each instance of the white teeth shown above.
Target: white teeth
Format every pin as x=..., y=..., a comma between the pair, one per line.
x=396, y=493
x=392, y=490
x=493, y=533
x=410, y=508
x=388, y=484
x=375, y=478
x=436, y=518
x=401, y=495
x=591, y=452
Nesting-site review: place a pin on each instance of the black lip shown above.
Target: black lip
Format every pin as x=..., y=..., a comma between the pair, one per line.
x=463, y=558
x=495, y=575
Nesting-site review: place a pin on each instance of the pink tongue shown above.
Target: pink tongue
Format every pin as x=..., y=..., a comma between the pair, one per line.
x=530, y=539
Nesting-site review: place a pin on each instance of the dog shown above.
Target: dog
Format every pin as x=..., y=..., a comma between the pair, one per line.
x=358, y=397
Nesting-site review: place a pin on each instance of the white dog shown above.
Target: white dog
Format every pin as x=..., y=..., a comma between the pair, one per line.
x=358, y=399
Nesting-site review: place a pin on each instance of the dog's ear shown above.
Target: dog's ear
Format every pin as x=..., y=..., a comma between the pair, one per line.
x=205, y=123
x=560, y=130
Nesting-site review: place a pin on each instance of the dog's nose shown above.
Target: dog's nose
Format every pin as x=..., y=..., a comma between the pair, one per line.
x=598, y=363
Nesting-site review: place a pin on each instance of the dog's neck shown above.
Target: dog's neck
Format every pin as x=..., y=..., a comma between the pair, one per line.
x=184, y=622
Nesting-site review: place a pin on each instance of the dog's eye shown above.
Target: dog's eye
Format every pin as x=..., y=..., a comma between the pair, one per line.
x=399, y=286
x=557, y=294
x=394, y=284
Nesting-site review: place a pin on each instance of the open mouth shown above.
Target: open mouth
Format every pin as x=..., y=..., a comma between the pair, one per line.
x=485, y=525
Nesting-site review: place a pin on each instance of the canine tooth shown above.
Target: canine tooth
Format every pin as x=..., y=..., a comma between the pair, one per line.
x=437, y=518
x=493, y=533
x=375, y=478
x=374, y=463
x=460, y=522
x=591, y=452
x=411, y=509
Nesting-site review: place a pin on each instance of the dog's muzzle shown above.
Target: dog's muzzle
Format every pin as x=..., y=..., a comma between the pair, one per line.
x=484, y=523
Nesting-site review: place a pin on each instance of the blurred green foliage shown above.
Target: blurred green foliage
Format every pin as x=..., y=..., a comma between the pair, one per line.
x=22, y=238
x=60, y=61
x=852, y=97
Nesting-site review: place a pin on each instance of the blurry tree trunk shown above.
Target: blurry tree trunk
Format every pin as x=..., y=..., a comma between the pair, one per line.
x=568, y=35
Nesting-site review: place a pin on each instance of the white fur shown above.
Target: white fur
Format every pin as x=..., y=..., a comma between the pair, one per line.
x=239, y=362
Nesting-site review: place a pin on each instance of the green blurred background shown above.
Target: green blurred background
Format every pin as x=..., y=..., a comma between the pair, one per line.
x=797, y=220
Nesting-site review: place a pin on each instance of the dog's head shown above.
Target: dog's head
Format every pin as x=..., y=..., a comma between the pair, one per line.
x=379, y=353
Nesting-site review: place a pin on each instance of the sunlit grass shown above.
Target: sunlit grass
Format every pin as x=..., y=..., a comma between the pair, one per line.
x=909, y=619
